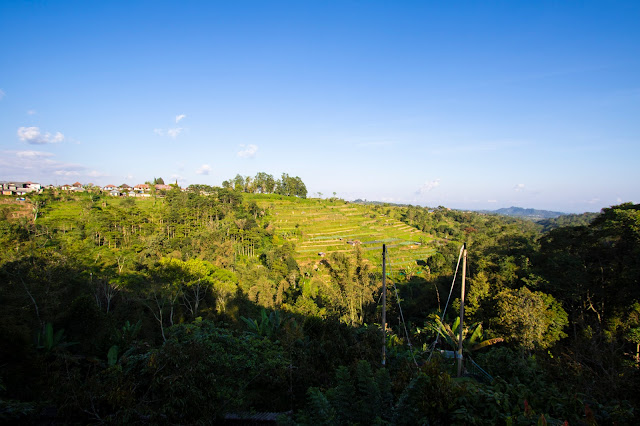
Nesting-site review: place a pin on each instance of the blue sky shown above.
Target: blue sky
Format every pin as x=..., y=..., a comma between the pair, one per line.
x=474, y=105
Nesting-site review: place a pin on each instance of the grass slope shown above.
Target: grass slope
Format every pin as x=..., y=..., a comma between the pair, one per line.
x=324, y=226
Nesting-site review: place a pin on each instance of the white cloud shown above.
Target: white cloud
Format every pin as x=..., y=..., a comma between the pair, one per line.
x=1, y=94
x=594, y=201
x=176, y=178
x=205, y=169
x=95, y=173
x=249, y=152
x=41, y=166
x=66, y=173
x=33, y=154
x=492, y=201
x=519, y=187
x=33, y=136
x=31, y=112
x=174, y=132
x=428, y=186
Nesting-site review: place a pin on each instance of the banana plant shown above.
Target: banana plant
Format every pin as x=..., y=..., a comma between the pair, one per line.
x=472, y=337
x=268, y=325
x=49, y=341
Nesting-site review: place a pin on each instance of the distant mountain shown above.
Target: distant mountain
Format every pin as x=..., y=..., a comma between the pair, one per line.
x=533, y=214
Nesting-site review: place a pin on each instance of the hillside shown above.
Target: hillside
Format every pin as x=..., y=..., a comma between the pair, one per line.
x=534, y=214
x=567, y=220
x=189, y=308
x=320, y=227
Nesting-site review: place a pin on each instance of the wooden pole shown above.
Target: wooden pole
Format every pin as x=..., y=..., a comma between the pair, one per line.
x=464, y=273
x=384, y=304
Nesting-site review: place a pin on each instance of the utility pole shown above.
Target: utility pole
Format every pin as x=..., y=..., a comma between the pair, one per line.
x=464, y=274
x=384, y=304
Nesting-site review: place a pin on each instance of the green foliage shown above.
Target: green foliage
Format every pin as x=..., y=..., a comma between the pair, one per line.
x=204, y=371
x=430, y=398
x=268, y=326
x=360, y=399
x=264, y=183
x=532, y=319
x=352, y=286
x=291, y=186
x=17, y=412
x=112, y=355
x=50, y=341
x=318, y=410
x=157, y=291
x=472, y=337
x=583, y=219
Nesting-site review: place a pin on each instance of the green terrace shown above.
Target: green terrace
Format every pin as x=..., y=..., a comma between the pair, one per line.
x=320, y=227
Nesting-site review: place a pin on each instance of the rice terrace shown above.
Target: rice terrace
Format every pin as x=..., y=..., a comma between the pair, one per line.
x=320, y=227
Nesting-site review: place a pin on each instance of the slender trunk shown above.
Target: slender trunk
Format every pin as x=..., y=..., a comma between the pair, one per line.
x=34, y=302
x=464, y=273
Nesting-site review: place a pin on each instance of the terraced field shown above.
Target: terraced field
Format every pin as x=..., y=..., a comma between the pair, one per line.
x=11, y=208
x=320, y=227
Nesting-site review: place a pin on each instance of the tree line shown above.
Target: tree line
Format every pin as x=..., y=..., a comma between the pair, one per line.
x=264, y=183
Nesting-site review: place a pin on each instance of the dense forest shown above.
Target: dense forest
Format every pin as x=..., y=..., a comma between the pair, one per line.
x=191, y=308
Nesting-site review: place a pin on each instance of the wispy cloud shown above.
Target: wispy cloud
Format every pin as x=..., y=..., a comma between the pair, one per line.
x=66, y=173
x=29, y=165
x=1, y=94
x=171, y=132
x=205, y=169
x=249, y=152
x=594, y=201
x=33, y=154
x=519, y=187
x=174, y=132
x=428, y=186
x=95, y=173
x=31, y=112
x=179, y=179
x=373, y=144
x=33, y=136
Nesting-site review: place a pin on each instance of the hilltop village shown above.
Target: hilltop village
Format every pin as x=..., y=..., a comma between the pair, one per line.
x=141, y=190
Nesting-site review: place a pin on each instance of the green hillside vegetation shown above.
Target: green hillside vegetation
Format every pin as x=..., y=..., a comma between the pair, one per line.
x=533, y=214
x=188, y=306
x=329, y=226
x=583, y=219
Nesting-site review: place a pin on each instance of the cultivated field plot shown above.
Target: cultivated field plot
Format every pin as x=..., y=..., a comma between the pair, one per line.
x=10, y=208
x=320, y=227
